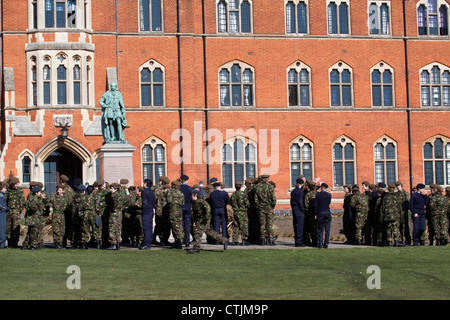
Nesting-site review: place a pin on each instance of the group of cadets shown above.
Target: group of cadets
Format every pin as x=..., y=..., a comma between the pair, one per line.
x=106, y=215
x=380, y=215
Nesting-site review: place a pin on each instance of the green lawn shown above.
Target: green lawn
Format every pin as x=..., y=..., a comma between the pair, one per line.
x=254, y=274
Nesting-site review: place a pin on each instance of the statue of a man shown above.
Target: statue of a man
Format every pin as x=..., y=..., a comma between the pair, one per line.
x=113, y=115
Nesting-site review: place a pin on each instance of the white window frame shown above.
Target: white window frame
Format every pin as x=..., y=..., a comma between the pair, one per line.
x=382, y=67
x=379, y=3
x=340, y=66
x=343, y=140
x=153, y=142
x=152, y=65
x=384, y=141
x=296, y=3
x=228, y=18
x=300, y=141
x=243, y=67
x=298, y=66
x=428, y=68
x=150, y=18
x=338, y=3
x=445, y=159
x=439, y=3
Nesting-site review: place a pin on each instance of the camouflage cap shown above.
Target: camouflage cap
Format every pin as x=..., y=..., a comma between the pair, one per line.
x=124, y=181
x=367, y=183
x=447, y=189
x=64, y=178
x=14, y=180
x=398, y=183
x=195, y=186
x=114, y=185
x=40, y=184
x=33, y=183
x=391, y=185
x=439, y=188
x=238, y=183
x=164, y=179
x=249, y=180
x=176, y=183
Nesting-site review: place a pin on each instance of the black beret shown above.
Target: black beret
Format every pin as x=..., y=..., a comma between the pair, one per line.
x=36, y=189
x=299, y=180
x=184, y=177
x=216, y=184
x=196, y=192
x=381, y=184
x=81, y=187
x=420, y=186
x=324, y=185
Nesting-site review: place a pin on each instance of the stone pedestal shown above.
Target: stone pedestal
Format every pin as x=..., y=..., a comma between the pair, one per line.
x=116, y=162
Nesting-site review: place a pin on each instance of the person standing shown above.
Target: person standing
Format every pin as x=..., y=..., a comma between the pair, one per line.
x=323, y=215
x=148, y=206
x=59, y=203
x=439, y=206
x=403, y=195
x=391, y=211
x=265, y=201
x=187, y=210
x=175, y=200
x=219, y=200
x=417, y=205
x=348, y=216
x=15, y=200
x=310, y=227
x=3, y=209
x=115, y=217
x=298, y=212
x=34, y=219
x=360, y=205
x=239, y=202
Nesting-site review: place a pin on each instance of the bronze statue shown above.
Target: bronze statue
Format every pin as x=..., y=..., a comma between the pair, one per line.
x=113, y=116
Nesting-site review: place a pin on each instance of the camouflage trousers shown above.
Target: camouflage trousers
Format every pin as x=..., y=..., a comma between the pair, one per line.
x=13, y=221
x=88, y=225
x=310, y=236
x=34, y=237
x=115, y=227
x=162, y=226
x=439, y=226
x=200, y=229
x=392, y=231
x=266, y=222
x=137, y=233
x=361, y=223
x=176, y=222
x=58, y=227
x=240, y=226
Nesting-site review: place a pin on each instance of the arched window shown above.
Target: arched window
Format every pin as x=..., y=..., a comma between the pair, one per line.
x=152, y=84
x=299, y=84
x=435, y=85
x=154, y=162
x=436, y=160
x=61, y=79
x=301, y=155
x=297, y=17
x=238, y=160
x=344, y=161
x=432, y=17
x=234, y=16
x=236, y=85
x=341, y=85
x=46, y=77
x=338, y=14
x=385, y=156
x=382, y=78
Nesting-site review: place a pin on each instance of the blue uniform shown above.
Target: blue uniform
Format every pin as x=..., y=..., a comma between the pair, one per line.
x=323, y=212
x=298, y=215
x=187, y=211
x=3, y=209
x=219, y=201
x=148, y=205
x=417, y=205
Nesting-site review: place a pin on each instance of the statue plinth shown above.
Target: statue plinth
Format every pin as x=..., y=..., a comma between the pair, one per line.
x=116, y=162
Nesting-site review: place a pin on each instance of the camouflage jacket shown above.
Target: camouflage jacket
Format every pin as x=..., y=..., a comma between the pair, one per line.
x=309, y=200
x=360, y=202
x=117, y=202
x=160, y=200
x=135, y=204
x=391, y=207
x=265, y=196
x=175, y=199
x=404, y=199
x=438, y=204
x=15, y=200
x=239, y=201
x=59, y=203
x=100, y=200
x=35, y=211
x=201, y=211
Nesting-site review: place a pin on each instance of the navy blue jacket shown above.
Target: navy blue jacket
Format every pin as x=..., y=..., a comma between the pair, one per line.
x=3, y=206
x=219, y=199
x=417, y=203
x=187, y=191
x=148, y=201
x=322, y=202
x=297, y=204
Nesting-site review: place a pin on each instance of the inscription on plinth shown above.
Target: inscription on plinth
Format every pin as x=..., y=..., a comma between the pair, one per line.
x=116, y=162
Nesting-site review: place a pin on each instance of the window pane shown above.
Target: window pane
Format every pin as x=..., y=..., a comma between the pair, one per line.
x=250, y=154
x=147, y=154
x=425, y=96
x=422, y=19
x=306, y=152
x=157, y=75
x=439, y=149
x=376, y=95
x=349, y=173
x=159, y=153
x=76, y=73
x=62, y=93
x=343, y=18
x=224, y=76
x=446, y=77
x=379, y=151
x=447, y=151
x=448, y=173
x=60, y=15
x=76, y=93
x=387, y=95
x=446, y=96
x=226, y=153
x=443, y=20
x=348, y=151
x=346, y=78
x=290, y=18
x=148, y=171
x=234, y=21
x=307, y=170
x=222, y=16
x=144, y=15
x=302, y=18
x=439, y=167
x=247, y=76
x=435, y=75
x=238, y=150
x=304, y=76
x=239, y=172
x=224, y=95
x=236, y=73
x=337, y=152
x=429, y=172
x=145, y=75
x=373, y=19
x=295, y=152
x=384, y=19
x=304, y=95
x=236, y=95
x=379, y=172
x=156, y=15
x=436, y=91
x=338, y=174
x=332, y=18
x=376, y=76
x=245, y=17
x=46, y=92
x=49, y=14
x=390, y=172
x=61, y=73
x=227, y=175
x=335, y=96
x=26, y=169
x=347, y=95
x=390, y=151
x=428, y=151
x=424, y=77
x=158, y=95
x=160, y=170
x=334, y=76
x=387, y=77
x=295, y=172
x=146, y=95
x=292, y=76
x=293, y=95
x=250, y=170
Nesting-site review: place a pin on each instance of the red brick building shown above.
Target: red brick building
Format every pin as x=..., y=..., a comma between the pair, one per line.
x=343, y=90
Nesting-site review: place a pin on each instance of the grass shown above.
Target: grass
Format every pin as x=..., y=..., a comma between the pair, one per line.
x=331, y=274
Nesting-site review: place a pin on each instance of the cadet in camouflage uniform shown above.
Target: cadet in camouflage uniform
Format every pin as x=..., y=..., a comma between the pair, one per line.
x=201, y=218
x=115, y=217
x=135, y=211
x=59, y=203
x=403, y=195
x=175, y=199
x=310, y=236
x=162, y=223
x=391, y=210
x=447, y=197
x=439, y=206
x=15, y=200
x=239, y=202
x=429, y=232
x=70, y=210
x=90, y=214
x=34, y=219
x=126, y=217
x=379, y=232
x=265, y=201
x=360, y=205
x=254, y=229
x=78, y=216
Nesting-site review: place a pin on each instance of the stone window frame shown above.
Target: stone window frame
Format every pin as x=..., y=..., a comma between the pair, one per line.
x=296, y=19
x=439, y=4
x=300, y=141
x=343, y=140
x=231, y=142
x=338, y=3
x=36, y=10
x=382, y=67
x=152, y=65
x=41, y=58
x=226, y=2
x=299, y=66
x=428, y=68
x=385, y=140
x=445, y=159
x=19, y=166
x=150, y=16
x=341, y=66
x=244, y=66
x=153, y=142
x=379, y=4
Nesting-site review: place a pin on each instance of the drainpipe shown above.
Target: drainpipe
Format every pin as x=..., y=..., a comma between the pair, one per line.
x=117, y=44
x=180, y=103
x=205, y=82
x=408, y=107
x=2, y=95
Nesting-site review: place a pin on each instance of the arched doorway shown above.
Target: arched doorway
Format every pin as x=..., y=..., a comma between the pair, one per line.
x=59, y=162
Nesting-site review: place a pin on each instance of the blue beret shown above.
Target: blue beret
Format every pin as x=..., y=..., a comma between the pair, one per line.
x=81, y=187
x=36, y=189
x=324, y=185
x=197, y=192
x=213, y=180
